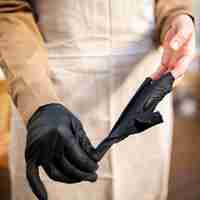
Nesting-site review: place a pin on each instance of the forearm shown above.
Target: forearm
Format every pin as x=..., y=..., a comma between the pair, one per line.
x=24, y=61
x=166, y=10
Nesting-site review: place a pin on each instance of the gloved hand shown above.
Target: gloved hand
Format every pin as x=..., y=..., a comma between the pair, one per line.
x=139, y=114
x=57, y=141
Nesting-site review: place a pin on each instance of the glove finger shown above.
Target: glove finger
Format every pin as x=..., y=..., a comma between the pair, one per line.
x=147, y=120
x=55, y=174
x=77, y=156
x=38, y=188
x=85, y=143
x=143, y=122
x=131, y=105
x=32, y=150
x=157, y=91
x=139, y=124
x=83, y=139
x=71, y=171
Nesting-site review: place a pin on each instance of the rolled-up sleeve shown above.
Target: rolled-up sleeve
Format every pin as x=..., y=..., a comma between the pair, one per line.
x=24, y=59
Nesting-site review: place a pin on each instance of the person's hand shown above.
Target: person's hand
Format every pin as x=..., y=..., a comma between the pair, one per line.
x=57, y=141
x=178, y=47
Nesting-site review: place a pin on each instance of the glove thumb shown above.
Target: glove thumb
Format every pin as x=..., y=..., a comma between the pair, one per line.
x=38, y=188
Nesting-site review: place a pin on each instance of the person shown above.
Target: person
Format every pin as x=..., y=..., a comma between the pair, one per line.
x=99, y=53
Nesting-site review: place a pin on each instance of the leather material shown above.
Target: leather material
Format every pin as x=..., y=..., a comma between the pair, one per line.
x=56, y=138
x=139, y=114
x=57, y=141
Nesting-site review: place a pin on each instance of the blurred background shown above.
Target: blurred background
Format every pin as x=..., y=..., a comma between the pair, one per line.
x=184, y=181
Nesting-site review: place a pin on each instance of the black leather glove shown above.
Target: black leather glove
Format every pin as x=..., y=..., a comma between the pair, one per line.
x=57, y=141
x=139, y=114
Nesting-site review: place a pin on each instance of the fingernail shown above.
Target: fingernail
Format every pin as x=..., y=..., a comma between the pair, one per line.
x=174, y=45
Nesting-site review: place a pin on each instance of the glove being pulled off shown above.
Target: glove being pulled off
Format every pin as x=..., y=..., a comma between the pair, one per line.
x=139, y=114
x=57, y=141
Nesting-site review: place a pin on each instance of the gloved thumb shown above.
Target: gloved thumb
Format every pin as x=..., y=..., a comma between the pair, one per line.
x=38, y=188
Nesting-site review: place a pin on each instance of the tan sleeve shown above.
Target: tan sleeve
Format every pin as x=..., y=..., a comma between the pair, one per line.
x=165, y=10
x=24, y=60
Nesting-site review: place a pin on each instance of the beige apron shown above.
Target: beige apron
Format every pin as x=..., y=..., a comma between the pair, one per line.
x=100, y=52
